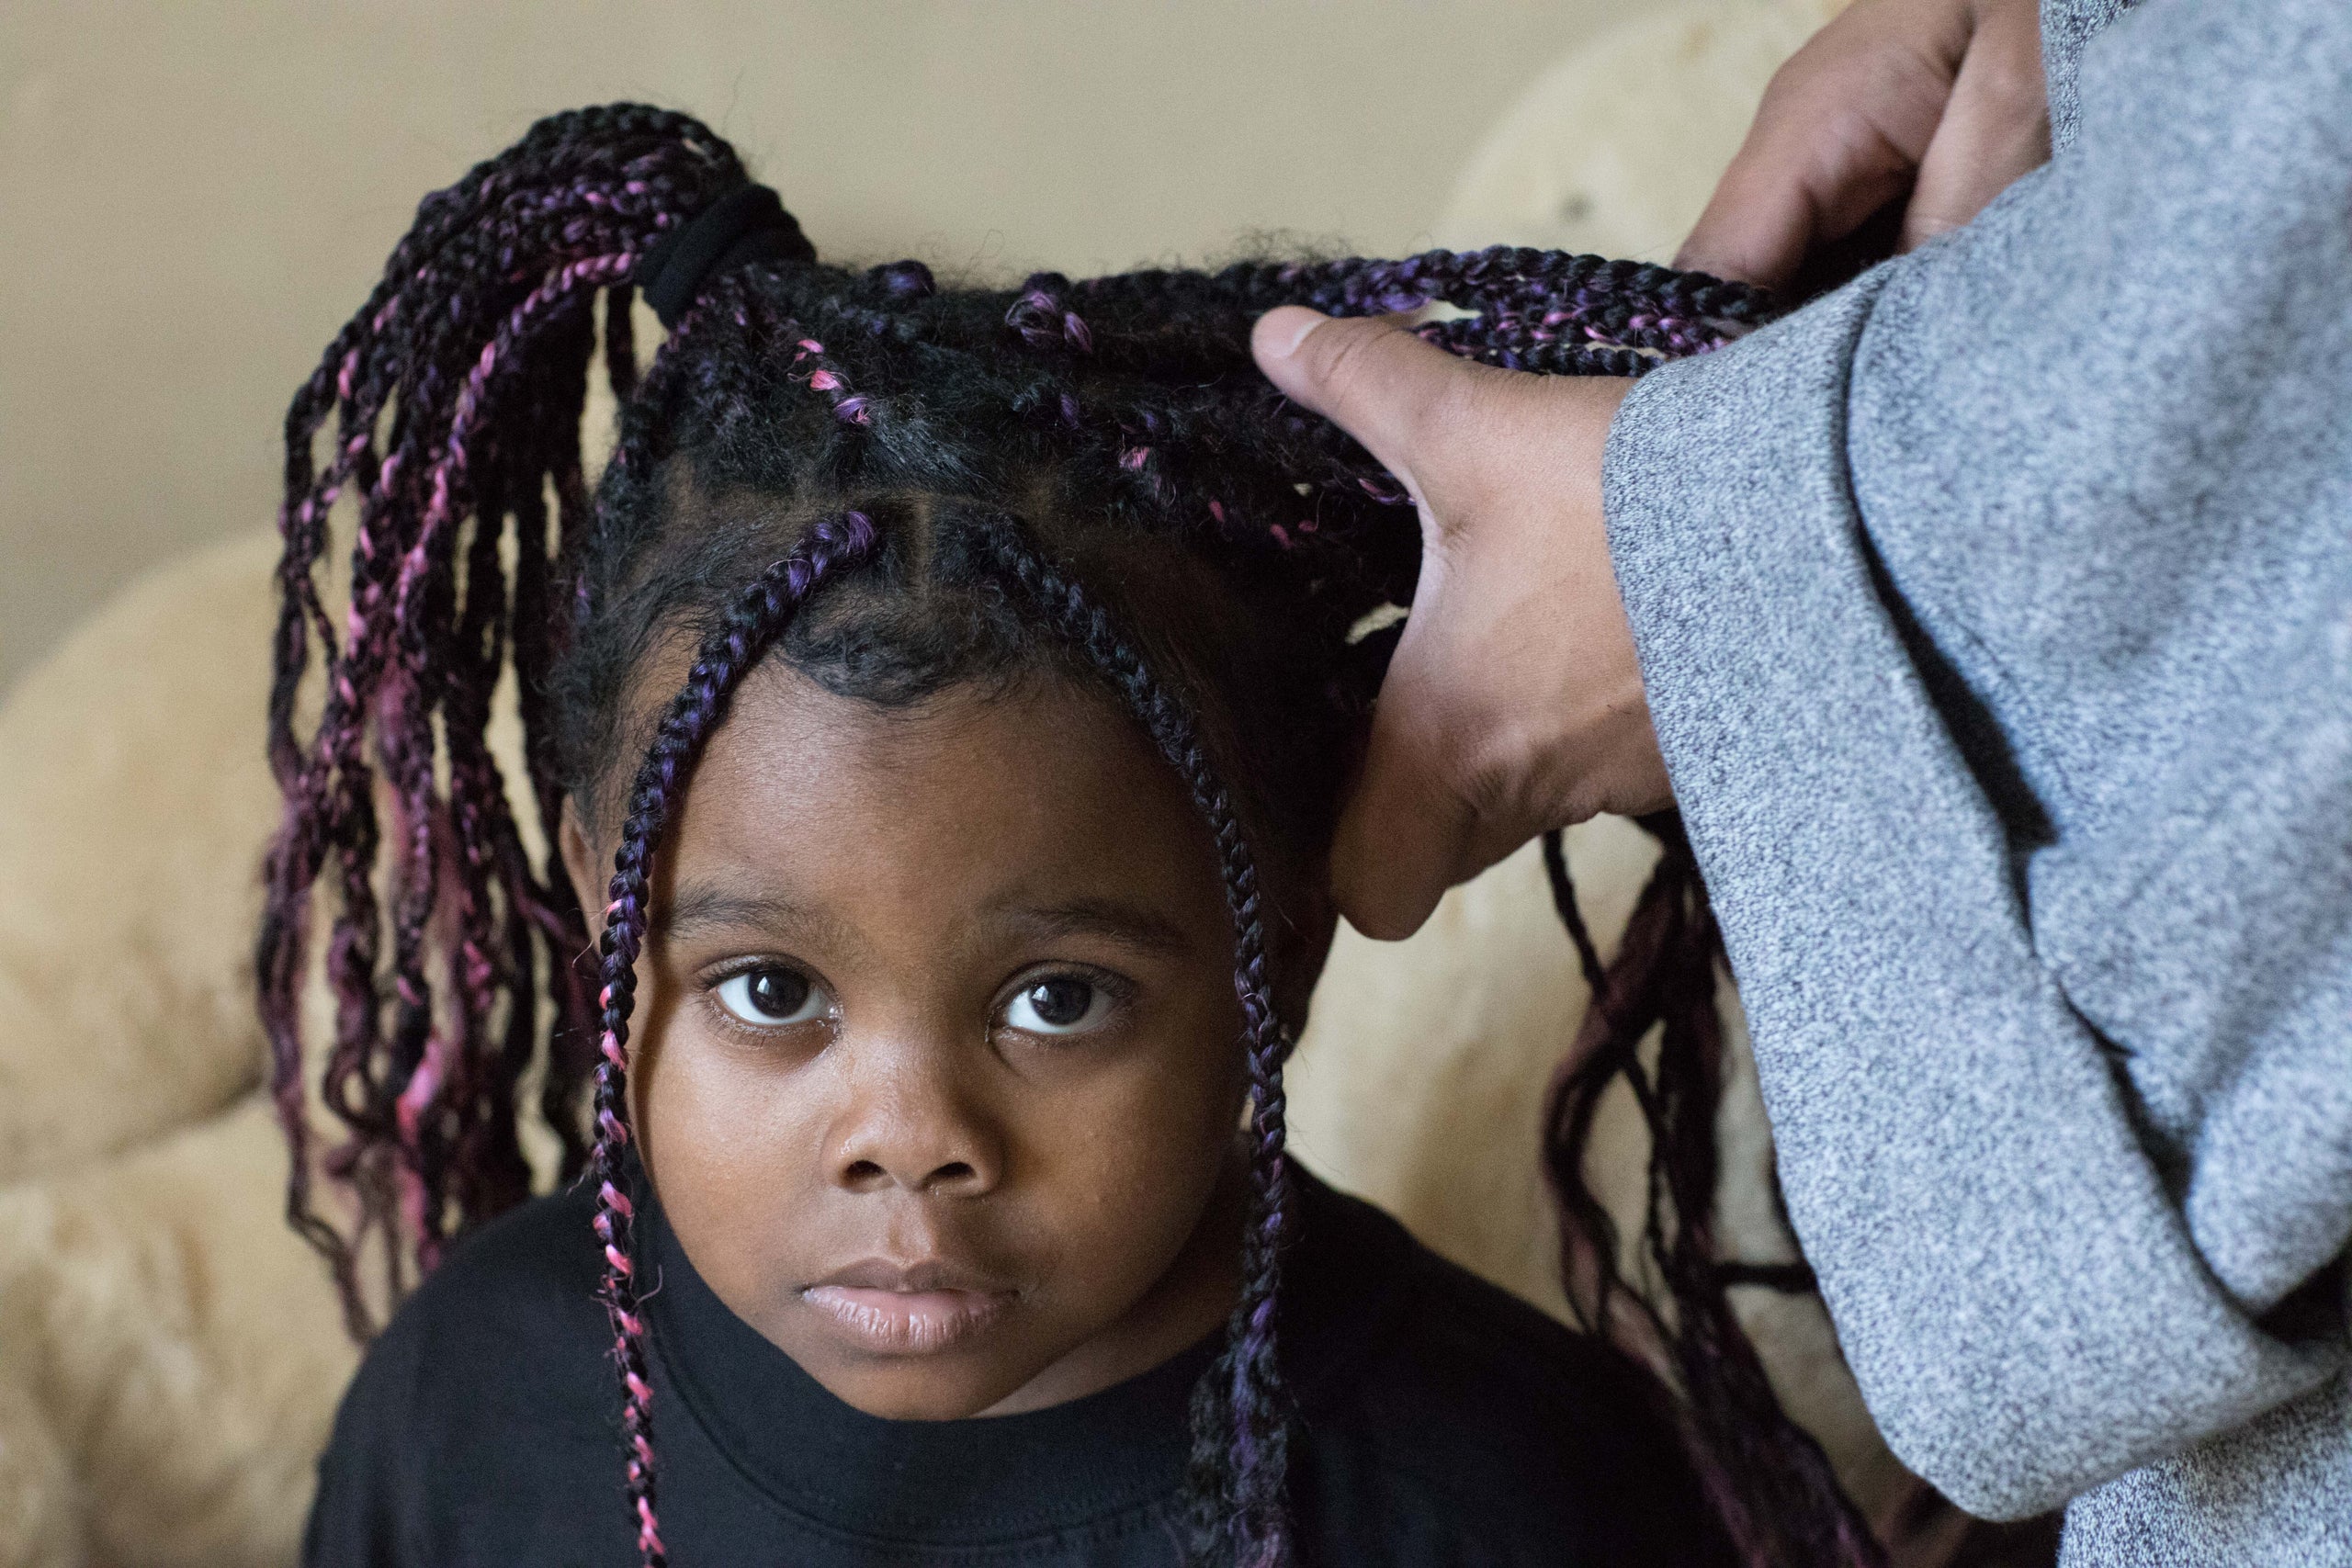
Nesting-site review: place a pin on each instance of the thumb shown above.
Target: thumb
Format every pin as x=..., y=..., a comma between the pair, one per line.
x=1370, y=376
x=1402, y=838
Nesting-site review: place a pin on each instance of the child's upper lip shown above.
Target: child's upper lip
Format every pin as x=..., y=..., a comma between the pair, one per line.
x=920, y=1276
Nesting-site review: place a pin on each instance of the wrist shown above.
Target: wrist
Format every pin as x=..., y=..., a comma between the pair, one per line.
x=1610, y=745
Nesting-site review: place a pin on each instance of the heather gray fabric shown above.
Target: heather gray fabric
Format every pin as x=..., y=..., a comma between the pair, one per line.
x=1996, y=615
x=2067, y=26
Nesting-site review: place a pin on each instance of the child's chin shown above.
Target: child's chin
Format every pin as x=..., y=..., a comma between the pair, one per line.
x=950, y=1385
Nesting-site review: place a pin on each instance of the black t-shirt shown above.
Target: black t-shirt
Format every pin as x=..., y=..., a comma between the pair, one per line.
x=1441, y=1422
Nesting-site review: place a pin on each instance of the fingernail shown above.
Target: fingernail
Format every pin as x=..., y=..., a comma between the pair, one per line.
x=1286, y=340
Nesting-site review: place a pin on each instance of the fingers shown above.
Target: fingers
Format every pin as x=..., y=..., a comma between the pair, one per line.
x=1762, y=215
x=1838, y=135
x=1760, y=221
x=1371, y=376
x=1403, y=836
x=1838, y=132
x=1514, y=702
x=1996, y=128
x=1502, y=711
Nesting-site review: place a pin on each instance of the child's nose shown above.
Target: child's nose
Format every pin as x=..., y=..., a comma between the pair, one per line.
x=922, y=1142
x=950, y=1179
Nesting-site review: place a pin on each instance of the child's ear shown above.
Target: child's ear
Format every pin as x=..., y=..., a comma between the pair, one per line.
x=579, y=863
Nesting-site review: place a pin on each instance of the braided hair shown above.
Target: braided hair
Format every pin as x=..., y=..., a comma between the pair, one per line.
x=895, y=487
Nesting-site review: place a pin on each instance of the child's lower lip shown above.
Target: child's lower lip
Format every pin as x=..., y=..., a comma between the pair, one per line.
x=908, y=1322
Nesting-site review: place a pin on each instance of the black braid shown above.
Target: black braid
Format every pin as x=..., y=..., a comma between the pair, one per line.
x=1768, y=1475
x=1240, y=1413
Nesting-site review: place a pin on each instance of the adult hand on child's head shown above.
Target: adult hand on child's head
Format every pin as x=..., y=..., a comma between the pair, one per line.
x=1946, y=96
x=1514, y=703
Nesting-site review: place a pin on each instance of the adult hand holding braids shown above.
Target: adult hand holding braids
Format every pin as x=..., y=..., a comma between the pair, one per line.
x=1937, y=103
x=1514, y=703
x=1990, y=617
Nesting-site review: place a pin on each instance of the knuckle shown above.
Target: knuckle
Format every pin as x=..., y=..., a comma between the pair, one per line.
x=1350, y=353
x=2012, y=91
x=1789, y=92
x=1485, y=764
x=1444, y=406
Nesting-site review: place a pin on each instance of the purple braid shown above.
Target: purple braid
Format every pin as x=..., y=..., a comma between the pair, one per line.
x=1041, y=316
x=1767, y=1476
x=849, y=405
x=476, y=794
x=727, y=654
x=1241, y=1426
x=1525, y=297
x=541, y=567
x=454, y=341
x=1118, y=419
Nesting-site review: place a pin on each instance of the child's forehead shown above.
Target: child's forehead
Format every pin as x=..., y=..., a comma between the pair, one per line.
x=977, y=825
x=1041, y=789
x=1038, y=714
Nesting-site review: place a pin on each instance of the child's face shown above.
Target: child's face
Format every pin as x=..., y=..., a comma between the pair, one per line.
x=936, y=1063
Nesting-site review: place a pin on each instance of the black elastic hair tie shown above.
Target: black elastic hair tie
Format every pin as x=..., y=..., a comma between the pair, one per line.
x=747, y=224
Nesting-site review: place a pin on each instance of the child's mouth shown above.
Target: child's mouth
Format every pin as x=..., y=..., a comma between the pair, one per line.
x=898, y=1310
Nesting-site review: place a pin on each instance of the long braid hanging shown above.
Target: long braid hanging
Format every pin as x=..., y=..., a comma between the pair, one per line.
x=1765, y=1475
x=471, y=358
x=454, y=342
x=732, y=650
x=1240, y=1413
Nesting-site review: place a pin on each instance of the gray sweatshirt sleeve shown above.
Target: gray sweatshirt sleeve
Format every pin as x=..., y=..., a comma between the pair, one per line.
x=1997, y=617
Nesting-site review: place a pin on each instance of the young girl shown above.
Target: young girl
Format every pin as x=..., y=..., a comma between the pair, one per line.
x=958, y=686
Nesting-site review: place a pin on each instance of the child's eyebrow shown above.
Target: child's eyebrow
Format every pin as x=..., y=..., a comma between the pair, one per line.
x=707, y=908
x=1127, y=924
x=704, y=908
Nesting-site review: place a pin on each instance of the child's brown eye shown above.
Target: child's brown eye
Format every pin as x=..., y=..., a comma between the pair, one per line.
x=1062, y=1005
x=770, y=995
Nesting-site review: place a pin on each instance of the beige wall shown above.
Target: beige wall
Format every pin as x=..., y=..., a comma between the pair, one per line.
x=194, y=195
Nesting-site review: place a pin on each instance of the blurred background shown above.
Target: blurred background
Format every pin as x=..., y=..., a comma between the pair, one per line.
x=193, y=195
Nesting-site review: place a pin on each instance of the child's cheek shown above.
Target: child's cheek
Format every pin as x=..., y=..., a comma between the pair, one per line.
x=1127, y=1168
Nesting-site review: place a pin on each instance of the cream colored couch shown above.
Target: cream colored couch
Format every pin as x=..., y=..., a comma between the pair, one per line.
x=170, y=1355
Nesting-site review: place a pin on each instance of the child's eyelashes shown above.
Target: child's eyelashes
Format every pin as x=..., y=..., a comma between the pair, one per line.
x=1062, y=1004
x=770, y=997
x=1055, y=1003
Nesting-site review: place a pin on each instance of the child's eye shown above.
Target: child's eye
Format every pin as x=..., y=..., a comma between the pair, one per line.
x=770, y=995
x=1063, y=1004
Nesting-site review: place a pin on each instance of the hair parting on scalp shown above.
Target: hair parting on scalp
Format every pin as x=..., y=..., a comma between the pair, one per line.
x=894, y=486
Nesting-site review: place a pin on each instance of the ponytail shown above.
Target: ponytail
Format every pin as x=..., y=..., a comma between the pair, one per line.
x=455, y=398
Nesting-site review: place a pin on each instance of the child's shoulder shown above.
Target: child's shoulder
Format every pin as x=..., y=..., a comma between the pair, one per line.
x=1381, y=1315
x=1434, y=1400
x=511, y=1312
x=530, y=1274
x=487, y=1383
